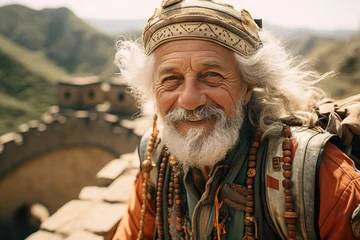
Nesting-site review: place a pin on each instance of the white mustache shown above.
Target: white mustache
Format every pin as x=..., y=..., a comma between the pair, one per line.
x=200, y=113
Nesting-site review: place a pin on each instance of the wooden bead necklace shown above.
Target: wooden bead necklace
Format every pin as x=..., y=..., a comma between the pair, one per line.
x=290, y=214
x=159, y=196
x=174, y=198
x=250, y=221
x=177, y=202
x=146, y=167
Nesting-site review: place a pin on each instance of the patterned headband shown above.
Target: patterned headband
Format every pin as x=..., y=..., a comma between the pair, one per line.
x=205, y=20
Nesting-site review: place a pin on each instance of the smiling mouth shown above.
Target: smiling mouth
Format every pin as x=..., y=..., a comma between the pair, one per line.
x=195, y=123
x=193, y=119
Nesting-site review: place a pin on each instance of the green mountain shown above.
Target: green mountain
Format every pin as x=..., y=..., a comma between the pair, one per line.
x=34, y=61
x=24, y=95
x=62, y=37
x=328, y=50
x=38, y=48
x=342, y=56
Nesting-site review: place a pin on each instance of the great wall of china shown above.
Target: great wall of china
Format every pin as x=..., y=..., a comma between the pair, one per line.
x=70, y=172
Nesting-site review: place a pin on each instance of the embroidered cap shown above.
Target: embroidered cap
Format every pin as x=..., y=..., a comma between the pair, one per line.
x=205, y=20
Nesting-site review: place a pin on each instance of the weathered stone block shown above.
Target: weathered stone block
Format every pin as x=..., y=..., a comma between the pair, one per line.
x=43, y=235
x=92, y=193
x=104, y=218
x=120, y=189
x=69, y=217
x=80, y=235
x=139, y=125
x=111, y=171
x=132, y=158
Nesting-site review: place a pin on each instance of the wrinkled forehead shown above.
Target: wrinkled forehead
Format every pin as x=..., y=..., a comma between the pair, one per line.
x=198, y=52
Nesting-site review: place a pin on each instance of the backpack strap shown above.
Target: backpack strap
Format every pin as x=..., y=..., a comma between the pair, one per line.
x=306, y=163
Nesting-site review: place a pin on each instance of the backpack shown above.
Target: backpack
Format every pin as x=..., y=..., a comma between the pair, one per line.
x=338, y=120
x=342, y=118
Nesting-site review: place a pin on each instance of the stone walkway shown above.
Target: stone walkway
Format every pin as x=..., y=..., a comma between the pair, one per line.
x=97, y=211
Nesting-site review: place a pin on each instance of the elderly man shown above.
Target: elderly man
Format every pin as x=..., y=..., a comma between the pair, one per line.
x=237, y=153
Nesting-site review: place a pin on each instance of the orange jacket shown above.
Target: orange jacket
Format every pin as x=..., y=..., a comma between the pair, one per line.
x=339, y=194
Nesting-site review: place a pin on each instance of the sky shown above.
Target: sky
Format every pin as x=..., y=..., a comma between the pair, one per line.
x=316, y=14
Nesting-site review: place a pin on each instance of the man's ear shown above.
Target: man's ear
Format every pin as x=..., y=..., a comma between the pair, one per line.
x=248, y=93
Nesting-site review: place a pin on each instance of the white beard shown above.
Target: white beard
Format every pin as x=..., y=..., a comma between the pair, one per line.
x=197, y=148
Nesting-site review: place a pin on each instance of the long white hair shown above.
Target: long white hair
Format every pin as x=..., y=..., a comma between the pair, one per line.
x=283, y=83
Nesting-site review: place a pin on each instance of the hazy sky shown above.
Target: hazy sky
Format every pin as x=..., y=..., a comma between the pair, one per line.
x=320, y=14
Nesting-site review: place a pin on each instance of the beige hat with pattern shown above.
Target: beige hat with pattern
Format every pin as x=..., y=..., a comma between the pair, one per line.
x=205, y=20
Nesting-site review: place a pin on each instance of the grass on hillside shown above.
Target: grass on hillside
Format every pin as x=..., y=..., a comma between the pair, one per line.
x=340, y=87
x=9, y=102
x=59, y=36
x=14, y=112
x=24, y=95
x=34, y=61
x=37, y=48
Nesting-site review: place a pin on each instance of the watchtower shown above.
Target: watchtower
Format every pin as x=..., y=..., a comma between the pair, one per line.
x=121, y=101
x=80, y=93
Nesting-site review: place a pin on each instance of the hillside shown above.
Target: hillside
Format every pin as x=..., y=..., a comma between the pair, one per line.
x=342, y=56
x=24, y=96
x=119, y=27
x=328, y=50
x=126, y=26
x=34, y=61
x=63, y=38
x=37, y=48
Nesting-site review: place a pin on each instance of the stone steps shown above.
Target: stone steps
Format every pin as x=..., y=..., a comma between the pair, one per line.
x=97, y=212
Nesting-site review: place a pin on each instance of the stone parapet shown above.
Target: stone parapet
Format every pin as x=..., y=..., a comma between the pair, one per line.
x=58, y=130
x=96, y=214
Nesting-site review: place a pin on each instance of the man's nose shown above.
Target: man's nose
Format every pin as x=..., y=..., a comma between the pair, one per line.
x=192, y=96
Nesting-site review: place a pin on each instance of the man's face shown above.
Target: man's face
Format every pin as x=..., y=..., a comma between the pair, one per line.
x=193, y=73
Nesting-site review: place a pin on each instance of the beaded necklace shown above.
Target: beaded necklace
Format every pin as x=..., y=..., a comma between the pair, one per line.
x=290, y=214
x=175, y=190
x=146, y=167
x=250, y=221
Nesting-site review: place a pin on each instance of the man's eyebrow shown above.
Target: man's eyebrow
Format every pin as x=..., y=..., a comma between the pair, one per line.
x=171, y=69
x=212, y=64
x=166, y=70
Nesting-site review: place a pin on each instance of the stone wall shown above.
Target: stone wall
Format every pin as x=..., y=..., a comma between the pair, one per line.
x=48, y=161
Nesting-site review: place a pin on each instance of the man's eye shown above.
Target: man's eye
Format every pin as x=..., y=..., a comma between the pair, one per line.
x=171, y=82
x=170, y=78
x=212, y=74
x=212, y=78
